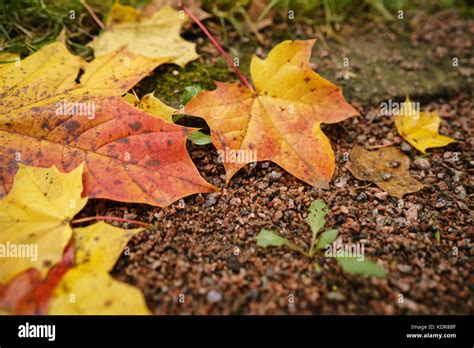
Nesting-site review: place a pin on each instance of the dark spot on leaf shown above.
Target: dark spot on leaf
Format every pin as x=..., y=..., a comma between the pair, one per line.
x=393, y=164
x=71, y=126
x=153, y=163
x=79, y=75
x=135, y=126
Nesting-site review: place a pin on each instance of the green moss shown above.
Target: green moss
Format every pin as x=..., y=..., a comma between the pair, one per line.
x=169, y=81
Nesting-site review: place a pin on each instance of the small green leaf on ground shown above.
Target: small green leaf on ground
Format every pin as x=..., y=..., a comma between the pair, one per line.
x=199, y=138
x=354, y=265
x=189, y=93
x=327, y=237
x=268, y=238
x=316, y=218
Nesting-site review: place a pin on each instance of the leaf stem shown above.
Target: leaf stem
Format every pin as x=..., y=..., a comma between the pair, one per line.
x=92, y=13
x=311, y=246
x=110, y=218
x=219, y=48
x=294, y=247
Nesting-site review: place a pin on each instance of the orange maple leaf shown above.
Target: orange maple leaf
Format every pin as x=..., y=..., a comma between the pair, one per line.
x=56, y=109
x=281, y=120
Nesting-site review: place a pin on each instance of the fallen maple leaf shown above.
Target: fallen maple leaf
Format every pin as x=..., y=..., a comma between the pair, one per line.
x=56, y=109
x=156, y=35
x=420, y=129
x=281, y=120
x=386, y=167
x=34, y=219
x=93, y=290
x=28, y=294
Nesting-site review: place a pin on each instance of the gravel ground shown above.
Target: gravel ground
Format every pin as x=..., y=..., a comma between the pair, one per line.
x=204, y=247
x=201, y=256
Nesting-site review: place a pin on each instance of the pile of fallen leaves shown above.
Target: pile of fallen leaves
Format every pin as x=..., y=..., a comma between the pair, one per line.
x=71, y=130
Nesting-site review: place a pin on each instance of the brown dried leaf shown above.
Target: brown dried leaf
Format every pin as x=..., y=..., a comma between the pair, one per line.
x=386, y=167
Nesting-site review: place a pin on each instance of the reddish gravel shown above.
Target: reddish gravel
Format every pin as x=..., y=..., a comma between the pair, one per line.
x=204, y=246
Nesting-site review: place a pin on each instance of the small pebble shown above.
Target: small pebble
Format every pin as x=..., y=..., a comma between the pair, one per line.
x=211, y=199
x=335, y=296
x=275, y=176
x=385, y=176
x=422, y=163
x=214, y=296
x=405, y=147
x=344, y=210
x=235, y=201
x=233, y=263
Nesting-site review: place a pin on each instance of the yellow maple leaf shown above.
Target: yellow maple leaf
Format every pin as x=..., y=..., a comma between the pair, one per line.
x=149, y=103
x=88, y=288
x=281, y=120
x=155, y=36
x=35, y=216
x=420, y=129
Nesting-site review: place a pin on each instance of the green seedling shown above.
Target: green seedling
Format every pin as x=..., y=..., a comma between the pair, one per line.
x=319, y=242
x=189, y=93
x=200, y=138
